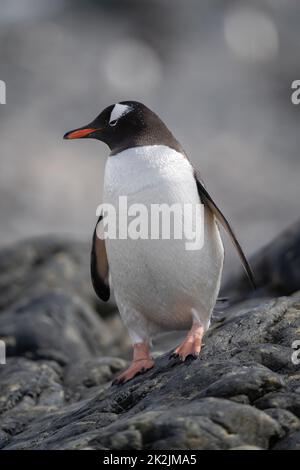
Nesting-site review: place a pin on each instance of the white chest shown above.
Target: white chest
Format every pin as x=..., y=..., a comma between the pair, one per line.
x=144, y=168
x=160, y=279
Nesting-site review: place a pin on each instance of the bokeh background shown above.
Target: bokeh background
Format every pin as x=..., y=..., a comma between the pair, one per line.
x=218, y=72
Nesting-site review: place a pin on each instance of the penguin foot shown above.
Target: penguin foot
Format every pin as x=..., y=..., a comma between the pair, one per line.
x=136, y=368
x=142, y=361
x=190, y=348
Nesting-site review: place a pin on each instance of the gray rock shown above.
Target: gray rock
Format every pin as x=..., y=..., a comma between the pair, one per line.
x=82, y=376
x=276, y=268
x=37, y=265
x=209, y=423
x=291, y=442
x=287, y=420
x=53, y=326
x=56, y=393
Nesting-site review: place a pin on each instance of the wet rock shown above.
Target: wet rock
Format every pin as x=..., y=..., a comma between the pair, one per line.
x=209, y=423
x=291, y=442
x=83, y=376
x=34, y=266
x=287, y=420
x=56, y=393
x=53, y=326
x=276, y=268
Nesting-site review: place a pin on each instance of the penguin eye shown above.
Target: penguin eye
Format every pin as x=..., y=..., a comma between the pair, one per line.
x=113, y=123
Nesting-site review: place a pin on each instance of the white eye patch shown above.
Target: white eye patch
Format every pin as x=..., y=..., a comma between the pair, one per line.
x=118, y=111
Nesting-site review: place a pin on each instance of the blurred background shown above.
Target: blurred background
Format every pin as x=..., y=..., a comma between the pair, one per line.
x=218, y=72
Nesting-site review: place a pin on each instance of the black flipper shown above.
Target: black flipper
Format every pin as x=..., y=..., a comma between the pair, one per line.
x=209, y=202
x=99, y=266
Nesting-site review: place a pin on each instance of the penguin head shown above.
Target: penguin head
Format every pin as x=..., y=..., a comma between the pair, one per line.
x=123, y=125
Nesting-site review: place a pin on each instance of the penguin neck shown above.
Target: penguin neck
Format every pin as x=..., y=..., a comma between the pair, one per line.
x=147, y=138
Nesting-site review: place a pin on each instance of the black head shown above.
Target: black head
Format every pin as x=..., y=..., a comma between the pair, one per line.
x=124, y=125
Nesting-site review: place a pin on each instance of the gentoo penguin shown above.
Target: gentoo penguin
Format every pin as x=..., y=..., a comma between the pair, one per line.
x=159, y=285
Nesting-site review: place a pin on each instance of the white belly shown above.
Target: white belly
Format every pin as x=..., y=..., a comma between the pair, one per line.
x=158, y=283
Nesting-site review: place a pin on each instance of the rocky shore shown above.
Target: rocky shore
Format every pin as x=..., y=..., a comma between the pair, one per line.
x=64, y=347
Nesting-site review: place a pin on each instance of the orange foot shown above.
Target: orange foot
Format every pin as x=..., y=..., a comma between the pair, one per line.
x=190, y=348
x=136, y=368
x=142, y=361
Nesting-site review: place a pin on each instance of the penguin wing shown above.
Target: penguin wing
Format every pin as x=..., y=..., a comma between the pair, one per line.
x=99, y=266
x=207, y=200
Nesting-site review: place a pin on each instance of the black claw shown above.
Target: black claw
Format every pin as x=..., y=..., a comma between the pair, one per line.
x=173, y=356
x=191, y=357
x=117, y=382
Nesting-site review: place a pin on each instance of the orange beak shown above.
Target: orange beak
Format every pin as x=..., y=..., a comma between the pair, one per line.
x=80, y=133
